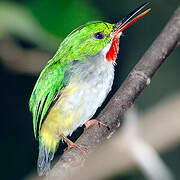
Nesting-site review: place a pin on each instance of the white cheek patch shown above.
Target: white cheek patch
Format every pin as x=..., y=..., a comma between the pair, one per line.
x=106, y=49
x=119, y=34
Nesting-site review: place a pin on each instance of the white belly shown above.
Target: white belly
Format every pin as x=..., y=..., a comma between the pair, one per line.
x=94, y=83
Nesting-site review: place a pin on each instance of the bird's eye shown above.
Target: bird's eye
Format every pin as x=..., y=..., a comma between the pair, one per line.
x=99, y=35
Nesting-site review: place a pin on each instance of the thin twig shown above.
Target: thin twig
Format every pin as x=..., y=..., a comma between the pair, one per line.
x=140, y=150
x=134, y=84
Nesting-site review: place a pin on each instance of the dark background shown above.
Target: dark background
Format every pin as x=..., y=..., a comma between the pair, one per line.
x=59, y=17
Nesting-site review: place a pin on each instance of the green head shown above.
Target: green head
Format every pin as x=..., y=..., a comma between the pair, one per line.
x=86, y=40
x=91, y=38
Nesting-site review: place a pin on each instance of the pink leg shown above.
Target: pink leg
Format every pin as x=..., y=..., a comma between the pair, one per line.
x=94, y=122
x=72, y=145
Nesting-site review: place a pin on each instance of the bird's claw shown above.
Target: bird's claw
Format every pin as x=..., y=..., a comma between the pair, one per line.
x=94, y=122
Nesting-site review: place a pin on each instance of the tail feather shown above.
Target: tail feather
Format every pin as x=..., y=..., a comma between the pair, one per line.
x=44, y=159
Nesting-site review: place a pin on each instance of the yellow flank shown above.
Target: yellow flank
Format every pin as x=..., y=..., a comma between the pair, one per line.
x=60, y=118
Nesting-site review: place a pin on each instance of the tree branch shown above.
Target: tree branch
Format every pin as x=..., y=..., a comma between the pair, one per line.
x=116, y=157
x=134, y=84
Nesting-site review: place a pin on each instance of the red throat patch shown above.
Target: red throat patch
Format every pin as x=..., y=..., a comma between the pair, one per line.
x=113, y=51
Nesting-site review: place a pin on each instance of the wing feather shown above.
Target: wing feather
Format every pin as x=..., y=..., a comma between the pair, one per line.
x=49, y=83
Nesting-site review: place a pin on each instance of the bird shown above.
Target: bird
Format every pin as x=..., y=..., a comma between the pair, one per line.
x=74, y=83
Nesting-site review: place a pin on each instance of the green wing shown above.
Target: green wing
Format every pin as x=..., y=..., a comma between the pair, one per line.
x=51, y=80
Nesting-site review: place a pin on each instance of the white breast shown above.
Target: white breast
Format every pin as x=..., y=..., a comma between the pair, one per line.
x=95, y=80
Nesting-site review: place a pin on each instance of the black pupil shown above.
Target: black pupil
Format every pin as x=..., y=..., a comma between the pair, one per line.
x=99, y=35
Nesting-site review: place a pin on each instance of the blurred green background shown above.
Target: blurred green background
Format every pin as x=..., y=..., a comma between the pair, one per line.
x=30, y=31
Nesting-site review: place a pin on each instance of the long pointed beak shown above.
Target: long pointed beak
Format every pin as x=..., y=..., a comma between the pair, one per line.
x=127, y=20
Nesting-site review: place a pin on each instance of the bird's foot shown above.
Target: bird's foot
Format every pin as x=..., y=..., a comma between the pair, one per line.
x=73, y=145
x=94, y=122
